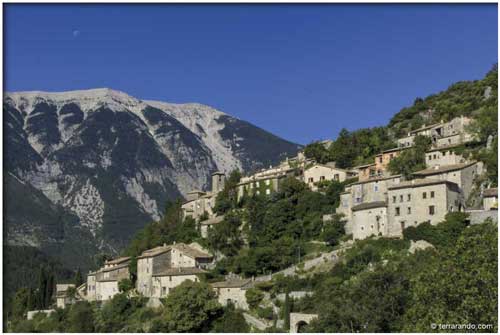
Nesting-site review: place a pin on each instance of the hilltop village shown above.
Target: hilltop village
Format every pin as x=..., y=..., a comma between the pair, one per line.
x=374, y=203
x=371, y=202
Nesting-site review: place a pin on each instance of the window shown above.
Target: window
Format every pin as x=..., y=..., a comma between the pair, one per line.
x=311, y=180
x=268, y=191
x=432, y=194
x=400, y=198
x=434, y=157
x=424, y=195
x=375, y=188
x=397, y=211
x=394, y=199
x=371, y=226
x=268, y=182
x=163, y=290
x=169, y=278
x=391, y=156
x=380, y=159
x=321, y=178
x=408, y=197
x=432, y=210
x=409, y=210
x=362, y=228
x=430, y=157
x=336, y=177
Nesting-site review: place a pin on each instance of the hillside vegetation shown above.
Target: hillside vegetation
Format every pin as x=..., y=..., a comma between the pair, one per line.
x=476, y=99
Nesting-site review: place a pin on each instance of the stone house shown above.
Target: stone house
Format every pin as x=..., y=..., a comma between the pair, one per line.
x=490, y=198
x=366, y=171
x=461, y=174
x=369, y=218
x=102, y=284
x=325, y=172
x=198, y=202
x=367, y=191
x=233, y=291
x=165, y=280
x=149, y=262
x=413, y=202
x=443, y=156
x=62, y=298
x=442, y=134
x=162, y=268
x=383, y=159
x=260, y=185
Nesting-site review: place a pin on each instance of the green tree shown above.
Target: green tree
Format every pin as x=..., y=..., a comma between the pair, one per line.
x=227, y=198
x=412, y=159
x=125, y=285
x=254, y=297
x=461, y=287
x=78, y=279
x=232, y=321
x=190, y=307
x=80, y=318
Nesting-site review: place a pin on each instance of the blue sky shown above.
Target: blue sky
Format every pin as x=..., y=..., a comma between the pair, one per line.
x=300, y=71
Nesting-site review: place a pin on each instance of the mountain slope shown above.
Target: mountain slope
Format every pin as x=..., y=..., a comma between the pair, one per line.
x=110, y=161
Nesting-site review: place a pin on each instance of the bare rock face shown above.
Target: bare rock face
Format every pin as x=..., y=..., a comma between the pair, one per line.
x=111, y=161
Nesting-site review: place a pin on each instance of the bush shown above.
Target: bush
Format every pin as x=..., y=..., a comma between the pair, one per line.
x=254, y=297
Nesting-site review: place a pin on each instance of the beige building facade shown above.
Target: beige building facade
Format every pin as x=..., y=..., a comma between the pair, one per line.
x=325, y=172
x=413, y=202
x=233, y=291
x=162, y=268
x=369, y=219
x=490, y=199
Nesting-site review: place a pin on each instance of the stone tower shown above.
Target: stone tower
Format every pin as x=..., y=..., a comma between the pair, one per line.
x=218, y=181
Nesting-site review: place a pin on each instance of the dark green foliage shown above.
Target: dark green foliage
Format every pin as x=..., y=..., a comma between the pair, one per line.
x=286, y=311
x=333, y=231
x=80, y=318
x=461, y=287
x=125, y=285
x=380, y=287
x=462, y=98
x=412, y=159
x=227, y=198
x=254, y=297
x=318, y=152
x=115, y=314
x=225, y=236
x=190, y=307
x=78, y=279
x=352, y=148
x=278, y=227
x=265, y=312
x=232, y=321
x=444, y=234
x=171, y=228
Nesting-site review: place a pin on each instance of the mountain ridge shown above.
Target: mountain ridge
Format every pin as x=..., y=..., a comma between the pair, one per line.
x=114, y=160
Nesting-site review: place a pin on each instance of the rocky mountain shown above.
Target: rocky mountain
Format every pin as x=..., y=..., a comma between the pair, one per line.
x=87, y=169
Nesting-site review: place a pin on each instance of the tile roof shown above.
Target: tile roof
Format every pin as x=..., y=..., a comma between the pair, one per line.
x=443, y=168
x=155, y=251
x=369, y=205
x=178, y=272
x=190, y=251
x=490, y=192
x=420, y=183
x=118, y=260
